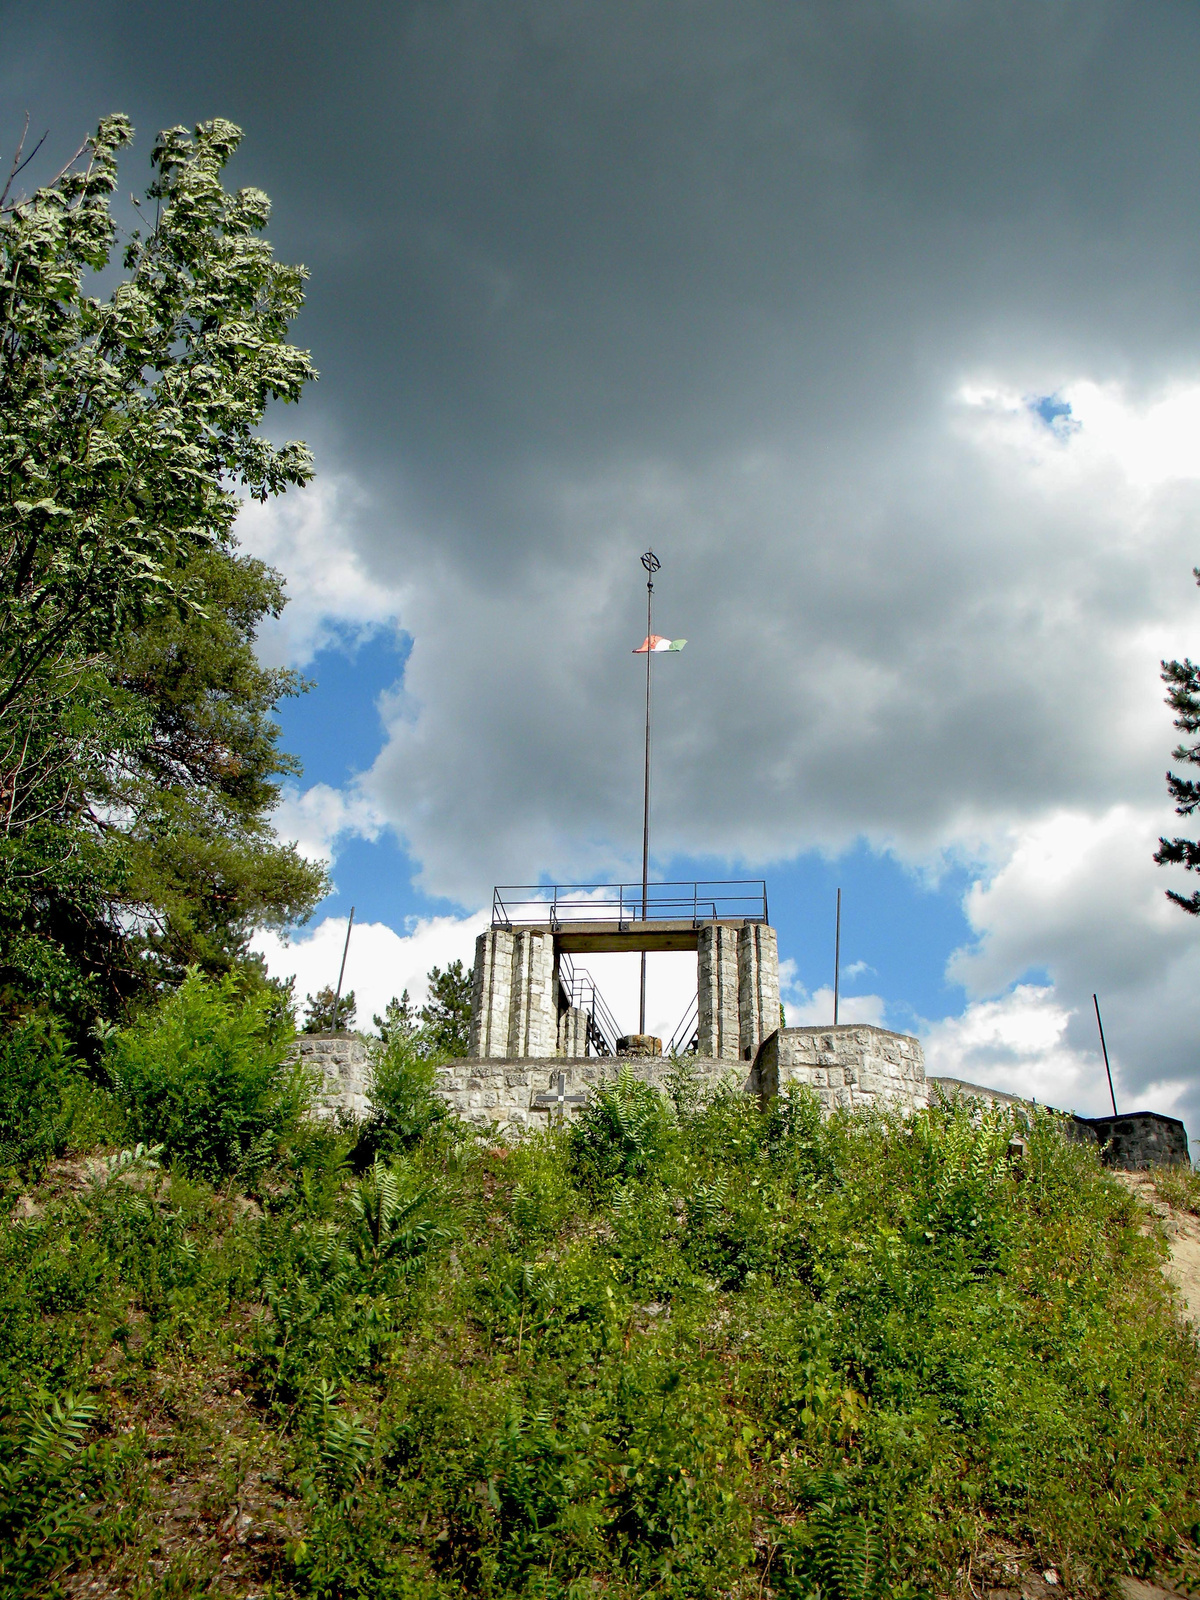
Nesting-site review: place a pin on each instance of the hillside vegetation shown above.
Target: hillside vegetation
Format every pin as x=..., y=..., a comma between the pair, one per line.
x=677, y=1348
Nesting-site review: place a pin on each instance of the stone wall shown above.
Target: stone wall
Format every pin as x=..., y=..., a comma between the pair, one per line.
x=849, y=1066
x=339, y=1061
x=1140, y=1139
x=504, y=1092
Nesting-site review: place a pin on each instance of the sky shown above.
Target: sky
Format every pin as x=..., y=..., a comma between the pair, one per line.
x=880, y=324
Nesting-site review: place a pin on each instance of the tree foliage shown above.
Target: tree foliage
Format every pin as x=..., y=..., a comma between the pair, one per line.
x=326, y=1012
x=1183, y=696
x=137, y=755
x=446, y=1014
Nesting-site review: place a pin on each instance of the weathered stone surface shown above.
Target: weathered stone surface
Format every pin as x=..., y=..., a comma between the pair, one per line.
x=758, y=986
x=491, y=999
x=510, y=1106
x=639, y=1044
x=572, y=1032
x=1140, y=1139
x=718, y=1026
x=339, y=1061
x=846, y=1067
x=533, y=1019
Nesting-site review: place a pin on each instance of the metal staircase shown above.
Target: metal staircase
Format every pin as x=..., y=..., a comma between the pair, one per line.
x=579, y=989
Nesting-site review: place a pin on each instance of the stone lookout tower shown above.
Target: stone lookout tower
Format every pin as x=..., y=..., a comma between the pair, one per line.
x=542, y=1035
x=532, y=1001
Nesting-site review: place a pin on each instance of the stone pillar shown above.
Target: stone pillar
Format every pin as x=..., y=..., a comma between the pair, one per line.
x=717, y=992
x=758, y=986
x=339, y=1062
x=532, y=1017
x=572, y=1032
x=491, y=999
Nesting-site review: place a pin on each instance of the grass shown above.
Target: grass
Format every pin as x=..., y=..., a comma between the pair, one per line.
x=681, y=1350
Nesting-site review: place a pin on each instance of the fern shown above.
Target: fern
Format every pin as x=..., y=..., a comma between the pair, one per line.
x=343, y=1442
x=44, y=1501
x=848, y=1555
x=391, y=1228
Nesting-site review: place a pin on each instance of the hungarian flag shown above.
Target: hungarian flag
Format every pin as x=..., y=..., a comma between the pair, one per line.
x=657, y=642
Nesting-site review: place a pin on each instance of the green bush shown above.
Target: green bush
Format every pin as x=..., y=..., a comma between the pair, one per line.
x=47, y=1104
x=404, y=1108
x=686, y=1352
x=622, y=1132
x=205, y=1075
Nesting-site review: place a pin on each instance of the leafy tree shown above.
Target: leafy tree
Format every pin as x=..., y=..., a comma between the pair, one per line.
x=127, y=423
x=320, y=1012
x=399, y=1019
x=1183, y=696
x=205, y=868
x=446, y=1015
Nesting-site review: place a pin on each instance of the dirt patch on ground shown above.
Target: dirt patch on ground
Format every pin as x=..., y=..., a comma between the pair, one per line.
x=1182, y=1233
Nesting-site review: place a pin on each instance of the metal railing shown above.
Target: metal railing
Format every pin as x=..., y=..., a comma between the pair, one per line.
x=580, y=989
x=559, y=905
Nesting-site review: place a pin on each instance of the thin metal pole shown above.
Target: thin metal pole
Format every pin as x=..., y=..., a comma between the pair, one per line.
x=837, y=956
x=651, y=563
x=342, y=972
x=1104, y=1047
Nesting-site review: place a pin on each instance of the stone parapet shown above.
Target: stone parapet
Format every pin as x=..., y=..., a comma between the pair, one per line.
x=849, y=1066
x=1140, y=1139
x=503, y=1092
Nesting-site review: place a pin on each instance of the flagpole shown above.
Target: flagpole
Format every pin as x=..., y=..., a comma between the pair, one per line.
x=651, y=563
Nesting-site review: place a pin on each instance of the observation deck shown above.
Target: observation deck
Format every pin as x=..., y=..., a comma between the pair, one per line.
x=584, y=917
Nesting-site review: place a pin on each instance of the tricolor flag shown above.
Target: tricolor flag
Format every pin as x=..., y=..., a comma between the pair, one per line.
x=657, y=642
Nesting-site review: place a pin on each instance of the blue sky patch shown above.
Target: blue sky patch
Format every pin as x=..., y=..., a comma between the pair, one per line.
x=1055, y=412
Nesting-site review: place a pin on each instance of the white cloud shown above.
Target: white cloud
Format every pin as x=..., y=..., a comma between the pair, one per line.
x=816, y=1009
x=380, y=962
x=804, y=1009
x=316, y=818
x=923, y=645
x=1078, y=900
x=856, y=969
x=313, y=537
x=1018, y=1044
